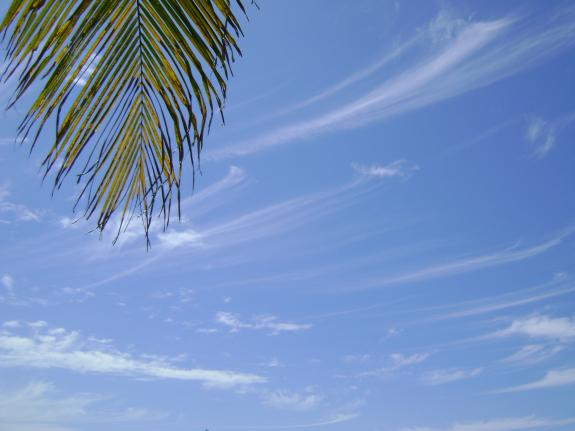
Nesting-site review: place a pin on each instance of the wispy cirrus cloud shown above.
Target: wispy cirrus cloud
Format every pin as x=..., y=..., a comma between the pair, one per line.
x=541, y=326
x=39, y=406
x=8, y=141
x=560, y=285
x=470, y=55
x=248, y=226
x=357, y=359
x=269, y=220
x=11, y=324
x=441, y=377
x=396, y=52
x=552, y=379
x=297, y=401
x=174, y=238
x=502, y=424
x=262, y=322
x=338, y=417
x=60, y=348
x=398, y=361
x=198, y=204
x=4, y=191
x=8, y=293
x=533, y=354
x=16, y=212
x=7, y=281
x=470, y=264
x=398, y=169
x=214, y=195
x=41, y=427
x=542, y=134
x=397, y=94
x=20, y=212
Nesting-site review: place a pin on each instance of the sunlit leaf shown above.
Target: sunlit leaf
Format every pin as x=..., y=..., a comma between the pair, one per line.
x=132, y=86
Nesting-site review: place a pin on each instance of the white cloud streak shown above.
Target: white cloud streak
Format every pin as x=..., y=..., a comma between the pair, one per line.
x=398, y=362
x=542, y=134
x=281, y=217
x=334, y=419
x=359, y=76
x=40, y=427
x=39, y=406
x=60, y=348
x=7, y=281
x=502, y=424
x=292, y=400
x=9, y=141
x=397, y=169
x=533, y=354
x=4, y=191
x=252, y=225
x=211, y=196
x=197, y=204
x=558, y=286
x=465, y=265
x=19, y=212
x=263, y=322
x=541, y=326
x=32, y=404
x=174, y=239
x=441, y=377
x=552, y=379
x=245, y=227
x=482, y=53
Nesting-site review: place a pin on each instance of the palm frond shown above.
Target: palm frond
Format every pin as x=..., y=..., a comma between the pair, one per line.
x=132, y=86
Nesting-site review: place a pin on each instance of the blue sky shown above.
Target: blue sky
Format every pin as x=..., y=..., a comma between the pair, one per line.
x=382, y=238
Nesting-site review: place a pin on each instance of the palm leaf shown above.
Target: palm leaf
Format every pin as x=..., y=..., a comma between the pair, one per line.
x=132, y=86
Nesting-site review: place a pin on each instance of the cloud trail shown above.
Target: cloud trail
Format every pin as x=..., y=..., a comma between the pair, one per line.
x=336, y=418
x=441, y=377
x=552, y=379
x=478, y=55
x=465, y=265
x=532, y=354
x=63, y=349
x=38, y=404
x=262, y=322
x=542, y=134
x=398, y=362
x=541, y=326
x=502, y=424
x=501, y=302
